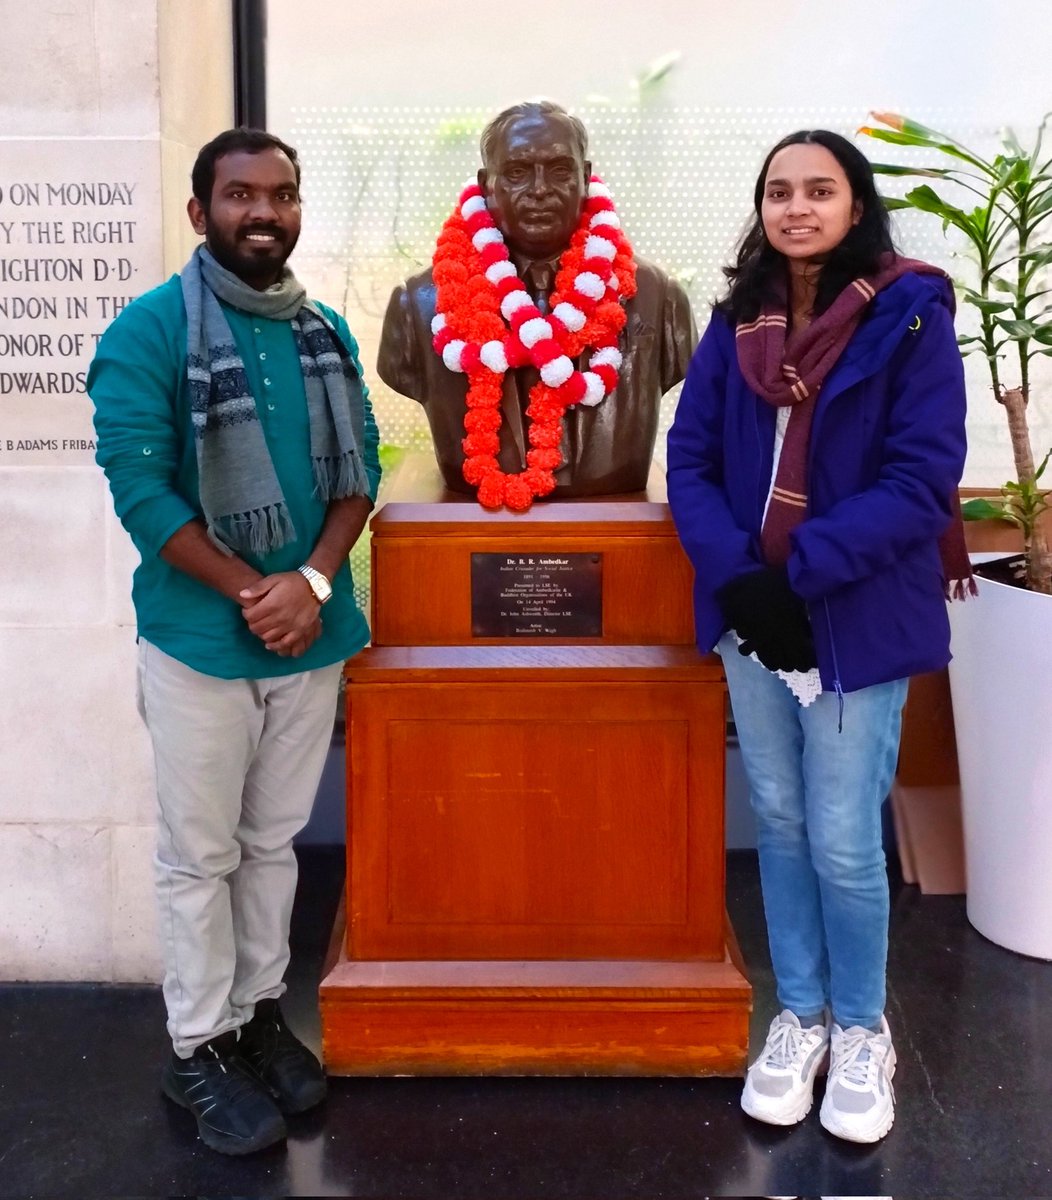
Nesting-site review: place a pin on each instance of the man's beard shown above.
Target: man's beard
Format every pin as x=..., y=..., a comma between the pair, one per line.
x=248, y=264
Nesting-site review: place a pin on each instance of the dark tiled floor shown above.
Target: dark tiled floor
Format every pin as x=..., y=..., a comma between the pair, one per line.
x=80, y=1113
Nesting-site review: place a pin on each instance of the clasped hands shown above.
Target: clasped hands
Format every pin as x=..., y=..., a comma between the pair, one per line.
x=770, y=618
x=283, y=612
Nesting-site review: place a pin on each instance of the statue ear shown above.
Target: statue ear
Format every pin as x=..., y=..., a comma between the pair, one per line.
x=482, y=179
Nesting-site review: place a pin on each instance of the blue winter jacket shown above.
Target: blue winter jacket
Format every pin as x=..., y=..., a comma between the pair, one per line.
x=886, y=455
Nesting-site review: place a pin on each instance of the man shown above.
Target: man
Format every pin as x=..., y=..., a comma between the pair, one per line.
x=240, y=447
x=535, y=182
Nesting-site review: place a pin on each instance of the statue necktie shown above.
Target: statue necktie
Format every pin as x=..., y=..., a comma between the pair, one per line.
x=539, y=282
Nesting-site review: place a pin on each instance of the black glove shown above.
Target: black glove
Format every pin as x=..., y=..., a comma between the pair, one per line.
x=770, y=618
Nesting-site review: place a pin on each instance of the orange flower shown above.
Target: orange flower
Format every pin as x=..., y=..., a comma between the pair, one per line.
x=471, y=306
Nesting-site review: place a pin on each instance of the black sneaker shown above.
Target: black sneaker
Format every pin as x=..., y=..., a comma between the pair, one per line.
x=281, y=1060
x=235, y=1112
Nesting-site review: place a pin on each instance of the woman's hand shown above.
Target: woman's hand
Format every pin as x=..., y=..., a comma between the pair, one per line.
x=770, y=618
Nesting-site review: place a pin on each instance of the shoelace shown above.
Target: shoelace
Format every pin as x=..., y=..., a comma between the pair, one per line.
x=784, y=1045
x=238, y=1083
x=854, y=1060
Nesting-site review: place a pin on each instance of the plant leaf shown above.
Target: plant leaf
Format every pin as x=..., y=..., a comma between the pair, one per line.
x=897, y=169
x=983, y=510
x=932, y=142
x=928, y=200
x=1017, y=329
x=984, y=303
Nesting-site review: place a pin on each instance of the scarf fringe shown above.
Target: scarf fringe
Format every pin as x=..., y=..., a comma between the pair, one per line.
x=257, y=531
x=960, y=589
x=338, y=477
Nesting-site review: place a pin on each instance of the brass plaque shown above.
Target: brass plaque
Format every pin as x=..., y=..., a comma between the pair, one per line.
x=536, y=595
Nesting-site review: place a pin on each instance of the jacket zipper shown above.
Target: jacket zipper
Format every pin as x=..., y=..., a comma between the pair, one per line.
x=836, y=670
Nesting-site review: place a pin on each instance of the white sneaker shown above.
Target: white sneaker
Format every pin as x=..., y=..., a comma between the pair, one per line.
x=859, y=1103
x=780, y=1084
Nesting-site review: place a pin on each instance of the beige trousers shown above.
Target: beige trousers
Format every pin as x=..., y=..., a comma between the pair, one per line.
x=238, y=763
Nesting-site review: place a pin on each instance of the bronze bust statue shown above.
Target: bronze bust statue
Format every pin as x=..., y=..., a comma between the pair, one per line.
x=534, y=179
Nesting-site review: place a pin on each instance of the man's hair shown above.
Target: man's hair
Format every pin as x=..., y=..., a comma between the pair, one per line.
x=234, y=141
x=495, y=130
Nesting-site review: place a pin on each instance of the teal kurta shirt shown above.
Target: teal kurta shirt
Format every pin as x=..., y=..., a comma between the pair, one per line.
x=146, y=447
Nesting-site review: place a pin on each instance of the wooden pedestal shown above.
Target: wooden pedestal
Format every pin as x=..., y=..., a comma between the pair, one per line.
x=535, y=830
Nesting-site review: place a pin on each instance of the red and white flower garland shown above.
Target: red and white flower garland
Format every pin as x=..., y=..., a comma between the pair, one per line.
x=486, y=323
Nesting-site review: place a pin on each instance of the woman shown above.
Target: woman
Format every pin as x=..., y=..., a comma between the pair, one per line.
x=812, y=470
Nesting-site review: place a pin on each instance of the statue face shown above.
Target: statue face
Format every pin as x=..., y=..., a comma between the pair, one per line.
x=535, y=184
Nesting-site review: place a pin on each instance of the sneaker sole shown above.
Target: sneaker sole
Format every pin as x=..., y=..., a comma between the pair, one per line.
x=312, y=1100
x=863, y=1136
x=793, y=1117
x=753, y=1108
x=214, y=1139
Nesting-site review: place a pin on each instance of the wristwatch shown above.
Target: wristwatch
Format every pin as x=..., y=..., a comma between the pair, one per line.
x=319, y=585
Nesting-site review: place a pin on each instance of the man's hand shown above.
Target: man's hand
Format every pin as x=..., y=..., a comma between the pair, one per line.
x=293, y=647
x=283, y=612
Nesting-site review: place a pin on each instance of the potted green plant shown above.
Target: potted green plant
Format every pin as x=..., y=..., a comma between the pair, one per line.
x=1001, y=674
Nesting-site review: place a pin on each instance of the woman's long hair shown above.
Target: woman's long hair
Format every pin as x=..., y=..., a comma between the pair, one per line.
x=758, y=275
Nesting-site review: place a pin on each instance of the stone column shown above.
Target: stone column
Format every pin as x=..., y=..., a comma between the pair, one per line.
x=103, y=107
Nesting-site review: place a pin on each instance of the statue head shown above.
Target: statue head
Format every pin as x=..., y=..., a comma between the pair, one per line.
x=535, y=176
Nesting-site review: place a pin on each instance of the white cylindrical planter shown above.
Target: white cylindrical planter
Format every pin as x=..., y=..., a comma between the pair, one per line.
x=1001, y=682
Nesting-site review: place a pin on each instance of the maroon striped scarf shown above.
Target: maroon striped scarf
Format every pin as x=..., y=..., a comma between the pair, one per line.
x=790, y=371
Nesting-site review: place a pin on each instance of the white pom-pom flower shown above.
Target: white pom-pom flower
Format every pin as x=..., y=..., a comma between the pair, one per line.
x=533, y=331
x=599, y=247
x=570, y=316
x=598, y=189
x=589, y=284
x=470, y=207
x=604, y=217
x=609, y=356
x=483, y=237
x=451, y=355
x=438, y=323
x=492, y=355
x=594, y=389
x=557, y=372
x=497, y=271
x=513, y=301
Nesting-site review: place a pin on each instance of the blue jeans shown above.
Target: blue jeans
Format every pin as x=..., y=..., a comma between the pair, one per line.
x=817, y=796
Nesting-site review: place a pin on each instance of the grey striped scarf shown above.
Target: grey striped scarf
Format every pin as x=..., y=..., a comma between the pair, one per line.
x=242, y=499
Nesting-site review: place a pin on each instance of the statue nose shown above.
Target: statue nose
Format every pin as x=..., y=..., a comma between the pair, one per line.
x=540, y=180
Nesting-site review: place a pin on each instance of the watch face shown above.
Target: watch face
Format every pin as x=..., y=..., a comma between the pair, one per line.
x=319, y=585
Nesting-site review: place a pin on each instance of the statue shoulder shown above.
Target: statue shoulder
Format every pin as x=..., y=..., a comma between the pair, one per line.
x=415, y=295
x=652, y=278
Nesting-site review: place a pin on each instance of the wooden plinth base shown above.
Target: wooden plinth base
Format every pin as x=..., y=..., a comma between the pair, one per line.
x=535, y=859
x=606, y=1017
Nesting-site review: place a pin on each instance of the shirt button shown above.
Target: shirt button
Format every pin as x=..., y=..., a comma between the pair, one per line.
x=266, y=383
x=263, y=357
x=270, y=407
x=146, y=450
x=257, y=330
